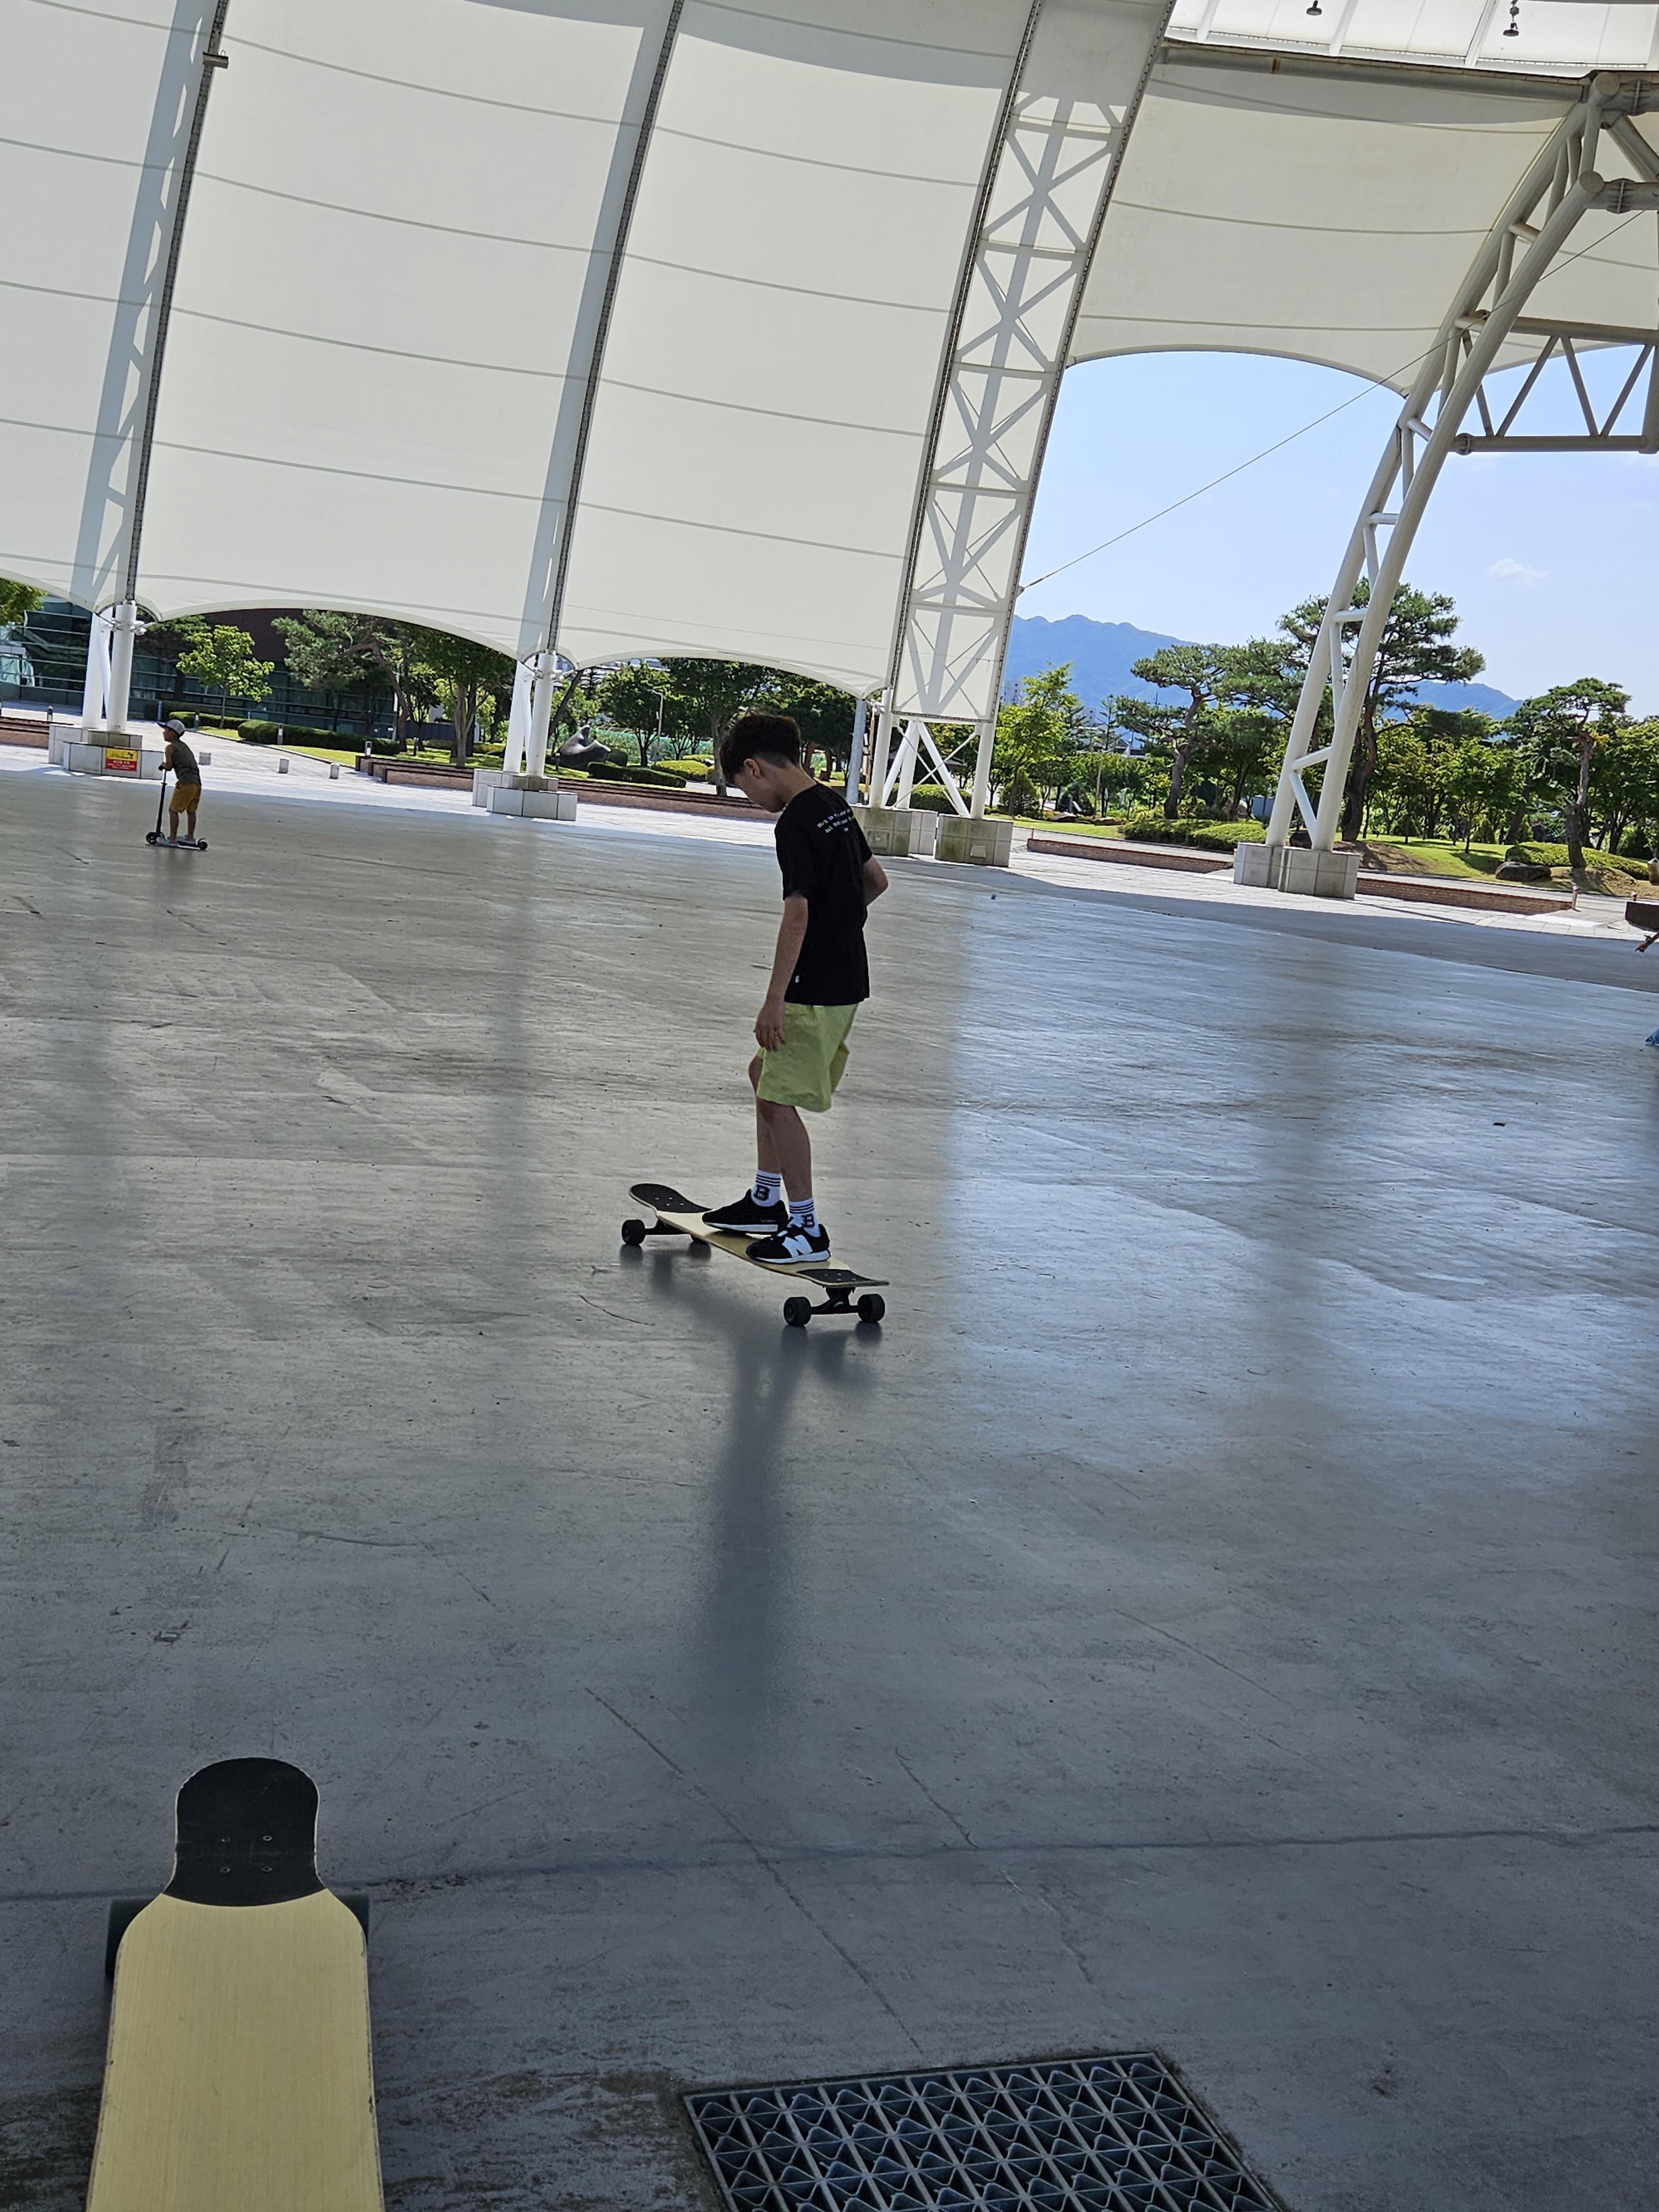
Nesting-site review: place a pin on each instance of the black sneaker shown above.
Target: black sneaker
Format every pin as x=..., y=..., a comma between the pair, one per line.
x=793, y=1242
x=747, y=1217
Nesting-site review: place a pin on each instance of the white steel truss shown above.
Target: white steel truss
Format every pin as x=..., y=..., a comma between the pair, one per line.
x=1042, y=206
x=1561, y=187
x=115, y=629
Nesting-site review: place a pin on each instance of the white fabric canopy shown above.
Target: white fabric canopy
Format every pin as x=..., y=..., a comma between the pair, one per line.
x=1559, y=37
x=771, y=365
x=95, y=128
x=401, y=331
x=1329, y=215
x=386, y=307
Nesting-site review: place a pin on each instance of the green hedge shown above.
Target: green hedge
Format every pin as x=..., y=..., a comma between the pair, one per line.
x=276, y=733
x=183, y=712
x=613, y=772
x=1209, y=836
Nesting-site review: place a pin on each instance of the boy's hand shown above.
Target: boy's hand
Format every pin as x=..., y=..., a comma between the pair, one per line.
x=769, y=1025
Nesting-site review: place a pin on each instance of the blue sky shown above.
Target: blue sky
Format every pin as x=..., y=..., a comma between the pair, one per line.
x=1553, y=559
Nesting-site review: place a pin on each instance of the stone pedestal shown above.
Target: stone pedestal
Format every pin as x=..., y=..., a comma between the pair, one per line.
x=978, y=839
x=539, y=797
x=899, y=833
x=1259, y=866
x=550, y=804
x=1320, y=875
x=106, y=754
x=1293, y=868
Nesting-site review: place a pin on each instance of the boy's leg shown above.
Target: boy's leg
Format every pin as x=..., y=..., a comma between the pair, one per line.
x=766, y=1152
x=784, y=1147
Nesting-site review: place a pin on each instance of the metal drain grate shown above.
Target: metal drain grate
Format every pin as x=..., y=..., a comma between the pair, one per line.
x=1069, y=2134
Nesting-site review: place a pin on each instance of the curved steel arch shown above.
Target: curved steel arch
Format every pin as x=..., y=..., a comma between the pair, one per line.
x=1561, y=187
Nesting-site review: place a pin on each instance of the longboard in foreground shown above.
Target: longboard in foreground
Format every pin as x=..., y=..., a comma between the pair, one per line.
x=237, y=2076
x=677, y=1217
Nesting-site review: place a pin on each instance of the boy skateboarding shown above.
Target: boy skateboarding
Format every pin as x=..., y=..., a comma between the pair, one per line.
x=820, y=978
x=186, y=782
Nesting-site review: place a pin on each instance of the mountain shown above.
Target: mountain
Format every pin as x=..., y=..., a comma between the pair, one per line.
x=1101, y=654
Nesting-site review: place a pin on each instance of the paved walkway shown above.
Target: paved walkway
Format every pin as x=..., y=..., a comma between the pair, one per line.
x=1213, y=1613
x=254, y=770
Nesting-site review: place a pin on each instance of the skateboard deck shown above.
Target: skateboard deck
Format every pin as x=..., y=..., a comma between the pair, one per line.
x=237, y=2071
x=677, y=1216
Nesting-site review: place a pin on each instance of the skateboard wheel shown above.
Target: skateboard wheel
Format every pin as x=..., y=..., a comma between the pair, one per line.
x=797, y=1312
x=633, y=1232
x=356, y=1903
x=123, y=1911
x=699, y=1250
x=871, y=1308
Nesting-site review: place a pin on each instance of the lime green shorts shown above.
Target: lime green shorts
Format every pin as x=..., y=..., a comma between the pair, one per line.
x=807, y=1065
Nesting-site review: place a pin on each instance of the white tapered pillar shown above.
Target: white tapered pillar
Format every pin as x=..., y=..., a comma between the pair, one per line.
x=878, y=758
x=908, y=751
x=96, y=693
x=856, y=750
x=518, y=719
x=123, y=635
x=541, y=712
x=981, y=794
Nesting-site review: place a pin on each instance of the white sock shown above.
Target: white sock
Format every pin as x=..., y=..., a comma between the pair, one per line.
x=802, y=1214
x=766, y=1189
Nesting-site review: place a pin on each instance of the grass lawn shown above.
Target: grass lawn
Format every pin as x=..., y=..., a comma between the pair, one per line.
x=1444, y=856
x=344, y=754
x=1051, y=826
x=1429, y=856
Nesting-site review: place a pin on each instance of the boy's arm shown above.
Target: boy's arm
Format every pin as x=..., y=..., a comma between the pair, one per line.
x=875, y=881
x=792, y=930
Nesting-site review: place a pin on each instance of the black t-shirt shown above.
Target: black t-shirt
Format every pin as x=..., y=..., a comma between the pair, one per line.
x=182, y=762
x=822, y=853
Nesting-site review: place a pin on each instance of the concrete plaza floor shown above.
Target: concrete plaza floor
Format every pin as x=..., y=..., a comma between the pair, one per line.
x=1214, y=1613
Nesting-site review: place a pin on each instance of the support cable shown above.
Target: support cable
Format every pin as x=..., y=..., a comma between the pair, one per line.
x=1381, y=384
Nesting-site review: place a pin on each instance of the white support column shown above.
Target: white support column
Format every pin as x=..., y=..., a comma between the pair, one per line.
x=1043, y=197
x=878, y=758
x=546, y=667
x=907, y=760
x=124, y=635
x=988, y=738
x=518, y=719
x=855, y=751
x=95, y=695
x=1560, y=186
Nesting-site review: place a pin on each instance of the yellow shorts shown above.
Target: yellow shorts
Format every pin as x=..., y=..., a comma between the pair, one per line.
x=807, y=1065
x=186, y=798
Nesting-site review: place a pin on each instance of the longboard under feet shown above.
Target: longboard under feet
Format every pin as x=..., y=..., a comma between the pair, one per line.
x=677, y=1217
x=237, y=2076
